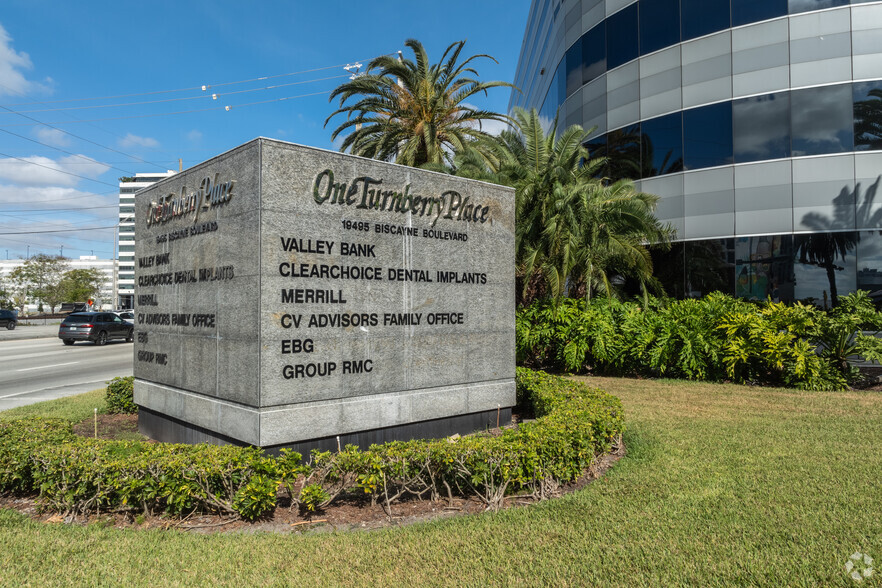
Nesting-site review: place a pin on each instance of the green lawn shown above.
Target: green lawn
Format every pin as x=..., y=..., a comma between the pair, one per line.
x=73, y=408
x=722, y=485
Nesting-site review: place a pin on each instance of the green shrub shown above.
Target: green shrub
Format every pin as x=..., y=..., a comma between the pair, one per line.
x=73, y=474
x=716, y=338
x=120, y=396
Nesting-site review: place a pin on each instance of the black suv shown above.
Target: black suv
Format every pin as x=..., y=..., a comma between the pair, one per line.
x=8, y=319
x=98, y=327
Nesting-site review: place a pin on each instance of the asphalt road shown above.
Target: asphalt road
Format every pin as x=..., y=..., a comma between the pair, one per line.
x=35, y=365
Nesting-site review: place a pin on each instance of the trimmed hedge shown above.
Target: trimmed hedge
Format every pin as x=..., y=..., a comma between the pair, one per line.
x=574, y=424
x=120, y=396
x=716, y=338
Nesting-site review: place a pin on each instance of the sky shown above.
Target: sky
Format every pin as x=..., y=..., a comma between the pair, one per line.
x=94, y=90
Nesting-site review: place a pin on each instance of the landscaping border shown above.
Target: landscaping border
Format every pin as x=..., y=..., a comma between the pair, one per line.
x=574, y=424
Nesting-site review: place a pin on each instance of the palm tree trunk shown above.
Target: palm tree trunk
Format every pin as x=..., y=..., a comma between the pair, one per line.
x=588, y=282
x=831, y=277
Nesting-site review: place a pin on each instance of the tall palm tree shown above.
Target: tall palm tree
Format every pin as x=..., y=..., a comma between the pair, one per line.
x=412, y=111
x=574, y=228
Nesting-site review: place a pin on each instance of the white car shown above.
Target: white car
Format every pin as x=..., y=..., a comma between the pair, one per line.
x=126, y=315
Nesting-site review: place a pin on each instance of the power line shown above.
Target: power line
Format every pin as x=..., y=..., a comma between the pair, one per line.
x=203, y=87
x=75, y=136
x=62, y=230
x=53, y=210
x=134, y=116
x=61, y=171
x=213, y=96
x=63, y=150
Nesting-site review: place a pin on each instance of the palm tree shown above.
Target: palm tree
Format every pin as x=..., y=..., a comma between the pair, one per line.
x=574, y=228
x=828, y=240
x=412, y=111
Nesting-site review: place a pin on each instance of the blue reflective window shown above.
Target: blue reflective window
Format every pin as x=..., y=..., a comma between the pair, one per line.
x=659, y=24
x=822, y=120
x=593, y=54
x=761, y=127
x=796, y=6
x=662, y=145
x=621, y=37
x=707, y=136
x=573, y=60
x=748, y=11
x=703, y=17
x=867, y=98
x=623, y=150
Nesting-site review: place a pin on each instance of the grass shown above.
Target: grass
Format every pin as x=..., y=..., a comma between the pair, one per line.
x=721, y=485
x=73, y=408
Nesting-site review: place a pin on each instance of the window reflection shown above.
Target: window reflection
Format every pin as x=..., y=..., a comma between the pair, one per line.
x=662, y=145
x=707, y=136
x=593, y=54
x=659, y=24
x=764, y=268
x=623, y=148
x=761, y=127
x=869, y=264
x=826, y=266
x=796, y=6
x=822, y=120
x=703, y=17
x=621, y=37
x=669, y=268
x=867, y=98
x=573, y=60
x=710, y=267
x=748, y=11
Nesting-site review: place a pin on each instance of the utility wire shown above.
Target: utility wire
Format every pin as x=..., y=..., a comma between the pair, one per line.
x=62, y=230
x=64, y=151
x=61, y=171
x=76, y=136
x=213, y=96
x=133, y=116
x=203, y=87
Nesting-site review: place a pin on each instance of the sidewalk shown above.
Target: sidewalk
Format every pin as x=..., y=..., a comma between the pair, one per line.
x=28, y=332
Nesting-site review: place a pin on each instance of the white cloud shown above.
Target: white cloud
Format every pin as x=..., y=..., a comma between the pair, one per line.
x=131, y=140
x=493, y=127
x=12, y=79
x=14, y=197
x=194, y=136
x=53, y=137
x=42, y=171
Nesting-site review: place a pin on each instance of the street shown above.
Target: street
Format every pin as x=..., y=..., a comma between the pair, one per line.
x=36, y=366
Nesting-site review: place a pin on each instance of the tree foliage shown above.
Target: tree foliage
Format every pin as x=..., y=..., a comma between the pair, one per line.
x=576, y=229
x=38, y=279
x=81, y=284
x=413, y=111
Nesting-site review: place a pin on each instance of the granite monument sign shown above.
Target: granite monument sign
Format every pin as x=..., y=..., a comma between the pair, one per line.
x=287, y=295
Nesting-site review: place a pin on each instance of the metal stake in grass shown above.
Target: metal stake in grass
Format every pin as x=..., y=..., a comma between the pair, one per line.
x=96, y=423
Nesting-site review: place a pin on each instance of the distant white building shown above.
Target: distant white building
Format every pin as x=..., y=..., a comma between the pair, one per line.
x=126, y=242
x=107, y=267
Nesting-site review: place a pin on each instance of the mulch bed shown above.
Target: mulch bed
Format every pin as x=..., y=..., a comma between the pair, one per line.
x=348, y=512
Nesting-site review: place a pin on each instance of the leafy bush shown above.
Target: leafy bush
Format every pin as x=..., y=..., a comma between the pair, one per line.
x=715, y=338
x=120, y=396
x=72, y=474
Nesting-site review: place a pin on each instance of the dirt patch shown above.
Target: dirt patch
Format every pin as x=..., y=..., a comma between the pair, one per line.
x=349, y=512
x=112, y=427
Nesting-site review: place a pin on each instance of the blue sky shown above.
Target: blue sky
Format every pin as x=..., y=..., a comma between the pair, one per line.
x=114, y=82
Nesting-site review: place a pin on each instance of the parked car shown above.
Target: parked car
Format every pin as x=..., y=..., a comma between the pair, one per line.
x=98, y=327
x=126, y=315
x=8, y=319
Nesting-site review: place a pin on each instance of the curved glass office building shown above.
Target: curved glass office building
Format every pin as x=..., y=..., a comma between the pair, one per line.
x=757, y=122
